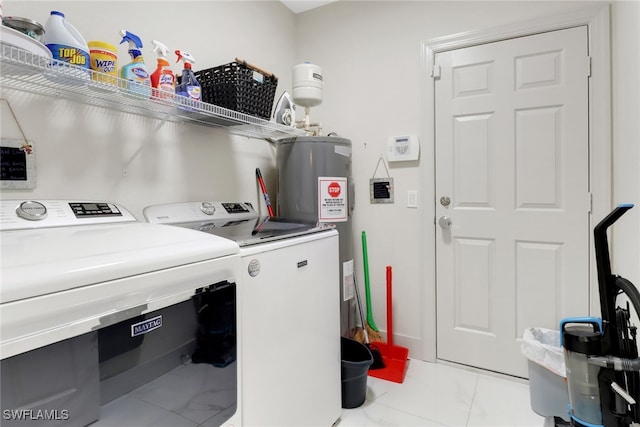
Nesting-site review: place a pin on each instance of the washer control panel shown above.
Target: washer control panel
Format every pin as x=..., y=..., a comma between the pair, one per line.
x=90, y=209
x=22, y=214
x=172, y=213
x=237, y=208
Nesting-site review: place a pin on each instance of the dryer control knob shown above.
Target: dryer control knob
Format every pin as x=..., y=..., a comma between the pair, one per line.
x=32, y=211
x=207, y=208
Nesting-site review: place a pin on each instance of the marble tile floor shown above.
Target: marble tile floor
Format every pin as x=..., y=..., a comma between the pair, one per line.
x=180, y=398
x=432, y=394
x=436, y=394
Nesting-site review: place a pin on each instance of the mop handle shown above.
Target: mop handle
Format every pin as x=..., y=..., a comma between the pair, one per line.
x=389, y=308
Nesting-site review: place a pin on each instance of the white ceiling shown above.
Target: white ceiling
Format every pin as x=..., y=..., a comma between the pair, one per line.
x=299, y=6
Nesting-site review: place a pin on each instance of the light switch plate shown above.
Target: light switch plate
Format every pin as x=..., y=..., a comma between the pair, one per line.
x=412, y=199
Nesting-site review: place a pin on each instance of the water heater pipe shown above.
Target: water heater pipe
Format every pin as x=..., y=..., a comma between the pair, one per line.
x=306, y=124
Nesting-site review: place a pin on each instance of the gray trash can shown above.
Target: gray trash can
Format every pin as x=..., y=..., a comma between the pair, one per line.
x=548, y=390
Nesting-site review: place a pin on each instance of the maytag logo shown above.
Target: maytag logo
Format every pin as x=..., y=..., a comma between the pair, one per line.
x=146, y=326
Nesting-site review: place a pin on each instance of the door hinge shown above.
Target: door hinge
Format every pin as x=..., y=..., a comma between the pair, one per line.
x=588, y=66
x=589, y=202
x=435, y=72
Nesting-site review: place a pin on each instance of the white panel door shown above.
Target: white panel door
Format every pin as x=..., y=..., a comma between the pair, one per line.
x=512, y=181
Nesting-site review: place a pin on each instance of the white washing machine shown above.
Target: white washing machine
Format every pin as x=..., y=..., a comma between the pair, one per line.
x=95, y=305
x=289, y=319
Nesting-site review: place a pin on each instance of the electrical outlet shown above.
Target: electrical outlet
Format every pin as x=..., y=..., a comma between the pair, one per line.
x=412, y=199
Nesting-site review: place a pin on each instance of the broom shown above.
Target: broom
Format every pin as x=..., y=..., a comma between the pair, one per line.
x=372, y=329
x=363, y=337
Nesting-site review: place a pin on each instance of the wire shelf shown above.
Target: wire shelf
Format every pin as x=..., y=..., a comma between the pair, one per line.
x=21, y=70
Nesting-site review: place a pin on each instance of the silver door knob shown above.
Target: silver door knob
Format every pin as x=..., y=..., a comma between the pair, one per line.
x=445, y=222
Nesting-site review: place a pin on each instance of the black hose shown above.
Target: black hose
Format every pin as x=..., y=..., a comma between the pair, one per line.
x=632, y=366
x=630, y=291
x=621, y=363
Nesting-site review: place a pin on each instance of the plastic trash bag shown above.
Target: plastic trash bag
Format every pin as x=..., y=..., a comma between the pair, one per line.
x=542, y=346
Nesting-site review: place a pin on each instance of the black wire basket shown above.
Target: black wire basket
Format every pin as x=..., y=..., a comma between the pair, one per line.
x=239, y=86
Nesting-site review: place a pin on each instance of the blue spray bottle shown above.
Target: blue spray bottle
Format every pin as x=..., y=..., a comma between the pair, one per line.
x=189, y=85
x=135, y=71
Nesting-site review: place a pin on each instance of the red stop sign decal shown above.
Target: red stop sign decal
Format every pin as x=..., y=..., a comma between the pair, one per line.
x=334, y=189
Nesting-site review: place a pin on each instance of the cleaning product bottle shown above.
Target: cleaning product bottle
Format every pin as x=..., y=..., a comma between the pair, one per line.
x=104, y=61
x=163, y=81
x=189, y=85
x=65, y=42
x=135, y=71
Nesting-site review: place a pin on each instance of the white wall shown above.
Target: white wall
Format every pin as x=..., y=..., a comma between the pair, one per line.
x=374, y=80
x=82, y=152
x=625, y=51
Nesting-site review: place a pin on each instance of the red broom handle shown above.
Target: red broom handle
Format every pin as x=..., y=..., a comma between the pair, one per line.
x=389, y=308
x=263, y=187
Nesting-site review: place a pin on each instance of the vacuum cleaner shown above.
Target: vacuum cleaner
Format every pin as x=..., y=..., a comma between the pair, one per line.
x=601, y=354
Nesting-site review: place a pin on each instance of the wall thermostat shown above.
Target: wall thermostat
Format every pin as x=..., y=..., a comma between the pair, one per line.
x=403, y=148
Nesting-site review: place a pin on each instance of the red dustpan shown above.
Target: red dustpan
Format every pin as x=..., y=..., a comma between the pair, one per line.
x=394, y=356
